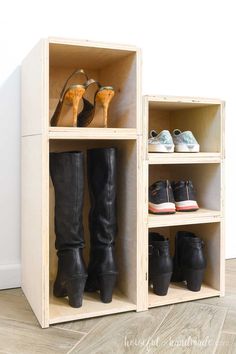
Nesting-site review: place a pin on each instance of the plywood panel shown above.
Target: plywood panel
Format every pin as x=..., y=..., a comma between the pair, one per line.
x=178, y=292
x=34, y=226
x=205, y=123
x=34, y=79
x=89, y=54
x=123, y=76
x=92, y=307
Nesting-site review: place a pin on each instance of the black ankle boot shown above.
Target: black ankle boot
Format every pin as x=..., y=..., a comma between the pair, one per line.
x=189, y=260
x=102, y=270
x=67, y=173
x=160, y=263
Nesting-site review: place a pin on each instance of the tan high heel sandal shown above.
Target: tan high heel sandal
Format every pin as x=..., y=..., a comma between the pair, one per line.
x=96, y=114
x=69, y=97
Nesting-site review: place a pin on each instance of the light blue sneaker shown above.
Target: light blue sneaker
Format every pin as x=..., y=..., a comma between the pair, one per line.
x=185, y=141
x=161, y=142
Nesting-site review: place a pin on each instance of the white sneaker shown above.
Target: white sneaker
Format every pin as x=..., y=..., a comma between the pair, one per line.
x=161, y=142
x=185, y=141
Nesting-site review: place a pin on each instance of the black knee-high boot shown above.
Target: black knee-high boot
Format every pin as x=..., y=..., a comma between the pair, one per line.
x=102, y=270
x=67, y=173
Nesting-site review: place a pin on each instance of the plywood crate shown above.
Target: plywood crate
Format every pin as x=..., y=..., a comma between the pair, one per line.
x=44, y=72
x=205, y=118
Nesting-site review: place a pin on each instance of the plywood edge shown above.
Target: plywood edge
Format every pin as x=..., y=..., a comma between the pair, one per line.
x=34, y=90
x=89, y=43
x=183, y=99
x=139, y=91
x=69, y=318
x=142, y=248
x=92, y=133
x=175, y=219
x=45, y=230
x=183, y=158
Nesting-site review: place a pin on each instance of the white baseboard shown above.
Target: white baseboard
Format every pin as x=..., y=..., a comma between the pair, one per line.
x=10, y=276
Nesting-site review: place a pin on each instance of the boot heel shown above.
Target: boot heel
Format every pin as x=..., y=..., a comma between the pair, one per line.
x=161, y=284
x=59, y=290
x=194, y=279
x=106, y=285
x=75, y=291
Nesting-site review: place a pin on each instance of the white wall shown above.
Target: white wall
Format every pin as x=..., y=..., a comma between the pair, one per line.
x=188, y=49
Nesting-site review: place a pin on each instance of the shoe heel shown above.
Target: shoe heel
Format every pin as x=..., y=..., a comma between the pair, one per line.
x=194, y=279
x=75, y=291
x=177, y=275
x=59, y=290
x=73, y=96
x=106, y=285
x=104, y=96
x=161, y=284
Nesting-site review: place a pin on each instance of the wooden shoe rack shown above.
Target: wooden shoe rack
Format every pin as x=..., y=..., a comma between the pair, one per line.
x=205, y=118
x=44, y=71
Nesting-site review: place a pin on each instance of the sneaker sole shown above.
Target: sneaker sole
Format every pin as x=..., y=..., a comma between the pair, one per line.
x=187, y=148
x=186, y=205
x=160, y=148
x=164, y=208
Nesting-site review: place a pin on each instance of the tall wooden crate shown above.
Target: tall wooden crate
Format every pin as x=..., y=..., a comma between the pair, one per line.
x=44, y=72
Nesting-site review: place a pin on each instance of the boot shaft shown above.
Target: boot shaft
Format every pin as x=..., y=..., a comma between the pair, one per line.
x=160, y=260
x=189, y=251
x=71, y=263
x=102, y=181
x=67, y=174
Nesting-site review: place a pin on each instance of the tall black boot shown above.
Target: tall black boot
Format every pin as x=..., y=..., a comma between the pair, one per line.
x=102, y=270
x=67, y=173
x=189, y=260
x=160, y=263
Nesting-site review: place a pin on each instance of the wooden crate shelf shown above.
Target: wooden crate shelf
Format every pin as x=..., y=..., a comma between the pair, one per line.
x=201, y=216
x=179, y=293
x=92, y=133
x=183, y=158
x=92, y=307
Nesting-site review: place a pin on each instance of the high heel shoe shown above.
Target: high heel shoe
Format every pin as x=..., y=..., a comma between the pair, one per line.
x=96, y=114
x=71, y=96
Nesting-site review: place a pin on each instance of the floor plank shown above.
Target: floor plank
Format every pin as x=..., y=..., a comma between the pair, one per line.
x=24, y=338
x=227, y=301
x=188, y=328
x=230, y=276
x=230, y=322
x=13, y=305
x=84, y=326
x=125, y=333
x=227, y=344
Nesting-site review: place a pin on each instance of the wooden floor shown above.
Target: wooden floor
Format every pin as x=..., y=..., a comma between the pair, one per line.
x=207, y=326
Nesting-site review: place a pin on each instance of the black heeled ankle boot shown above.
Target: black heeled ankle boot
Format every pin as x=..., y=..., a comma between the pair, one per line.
x=67, y=173
x=189, y=260
x=160, y=263
x=102, y=270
